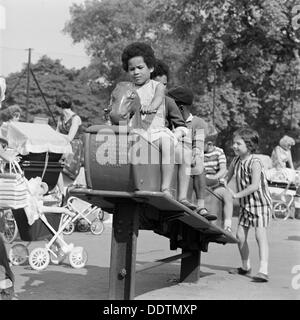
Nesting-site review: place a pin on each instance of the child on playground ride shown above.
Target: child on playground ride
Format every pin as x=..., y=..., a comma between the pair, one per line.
x=215, y=171
x=192, y=163
x=138, y=61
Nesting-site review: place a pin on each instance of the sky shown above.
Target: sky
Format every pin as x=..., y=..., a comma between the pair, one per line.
x=37, y=24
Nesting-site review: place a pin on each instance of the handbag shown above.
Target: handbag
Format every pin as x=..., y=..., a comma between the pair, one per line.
x=73, y=160
x=13, y=188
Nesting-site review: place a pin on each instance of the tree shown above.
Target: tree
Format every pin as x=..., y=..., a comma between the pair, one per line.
x=106, y=27
x=242, y=66
x=236, y=55
x=54, y=79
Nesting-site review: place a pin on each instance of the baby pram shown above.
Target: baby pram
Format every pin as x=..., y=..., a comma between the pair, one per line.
x=84, y=211
x=41, y=148
x=283, y=185
x=283, y=195
x=49, y=224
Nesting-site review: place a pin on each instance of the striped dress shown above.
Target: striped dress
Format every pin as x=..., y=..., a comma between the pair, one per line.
x=255, y=209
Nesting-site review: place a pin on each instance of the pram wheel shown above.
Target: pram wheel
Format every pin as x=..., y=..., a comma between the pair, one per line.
x=97, y=227
x=280, y=211
x=69, y=229
x=10, y=227
x=18, y=254
x=78, y=257
x=39, y=258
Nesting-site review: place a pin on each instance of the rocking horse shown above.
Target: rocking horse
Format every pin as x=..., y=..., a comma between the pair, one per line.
x=123, y=177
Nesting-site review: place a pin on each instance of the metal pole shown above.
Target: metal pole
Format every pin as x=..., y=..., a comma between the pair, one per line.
x=43, y=96
x=28, y=83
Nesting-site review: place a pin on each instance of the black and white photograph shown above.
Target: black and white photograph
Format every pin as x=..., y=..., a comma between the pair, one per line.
x=149, y=153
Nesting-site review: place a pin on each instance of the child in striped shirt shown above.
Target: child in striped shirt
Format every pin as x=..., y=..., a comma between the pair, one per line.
x=215, y=166
x=254, y=198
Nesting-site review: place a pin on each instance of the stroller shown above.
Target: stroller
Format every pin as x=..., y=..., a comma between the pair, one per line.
x=39, y=258
x=283, y=191
x=49, y=226
x=283, y=186
x=282, y=200
x=83, y=211
x=43, y=149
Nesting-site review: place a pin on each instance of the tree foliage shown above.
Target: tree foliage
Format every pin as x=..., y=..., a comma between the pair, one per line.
x=54, y=79
x=238, y=56
x=242, y=66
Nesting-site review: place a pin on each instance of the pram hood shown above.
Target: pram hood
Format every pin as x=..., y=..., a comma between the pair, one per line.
x=36, y=138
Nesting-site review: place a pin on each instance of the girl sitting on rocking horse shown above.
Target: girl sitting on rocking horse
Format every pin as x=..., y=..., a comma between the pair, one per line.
x=138, y=60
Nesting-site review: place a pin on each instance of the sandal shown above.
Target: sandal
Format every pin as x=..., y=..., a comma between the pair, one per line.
x=240, y=271
x=261, y=277
x=205, y=214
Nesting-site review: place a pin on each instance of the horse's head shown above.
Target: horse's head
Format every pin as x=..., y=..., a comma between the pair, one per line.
x=124, y=103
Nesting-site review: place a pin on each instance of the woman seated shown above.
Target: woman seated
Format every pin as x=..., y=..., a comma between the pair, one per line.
x=283, y=167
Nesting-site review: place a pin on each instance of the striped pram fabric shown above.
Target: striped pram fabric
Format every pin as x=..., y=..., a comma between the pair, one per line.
x=13, y=191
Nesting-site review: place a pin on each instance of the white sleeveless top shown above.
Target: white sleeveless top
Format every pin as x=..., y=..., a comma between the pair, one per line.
x=157, y=126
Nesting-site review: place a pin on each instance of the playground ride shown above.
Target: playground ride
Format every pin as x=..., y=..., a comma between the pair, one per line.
x=123, y=173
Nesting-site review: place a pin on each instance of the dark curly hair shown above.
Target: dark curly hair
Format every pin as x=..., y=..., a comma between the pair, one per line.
x=64, y=101
x=138, y=49
x=250, y=137
x=160, y=69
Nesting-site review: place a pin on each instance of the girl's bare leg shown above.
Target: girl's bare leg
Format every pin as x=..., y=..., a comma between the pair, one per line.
x=242, y=235
x=263, y=248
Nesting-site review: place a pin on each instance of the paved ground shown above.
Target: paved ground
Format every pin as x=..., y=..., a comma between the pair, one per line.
x=62, y=282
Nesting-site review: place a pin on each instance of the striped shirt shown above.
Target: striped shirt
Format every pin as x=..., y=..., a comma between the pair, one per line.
x=213, y=159
x=259, y=202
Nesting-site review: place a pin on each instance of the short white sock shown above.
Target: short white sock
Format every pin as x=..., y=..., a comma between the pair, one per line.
x=200, y=203
x=5, y=284
x=227, y=223
x=263, y=268
x=246, y=264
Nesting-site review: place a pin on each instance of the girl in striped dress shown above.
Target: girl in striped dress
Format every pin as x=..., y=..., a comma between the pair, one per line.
x=254, y=199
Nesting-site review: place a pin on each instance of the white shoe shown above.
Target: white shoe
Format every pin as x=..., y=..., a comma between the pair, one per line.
x=5, y=284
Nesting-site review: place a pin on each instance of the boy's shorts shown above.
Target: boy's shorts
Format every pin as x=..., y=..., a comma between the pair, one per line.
x=259, y=219
x=197, y=167
x=184, y=155
x=214, y=183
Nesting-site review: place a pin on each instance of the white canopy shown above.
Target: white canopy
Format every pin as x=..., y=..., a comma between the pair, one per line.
x=36, y=138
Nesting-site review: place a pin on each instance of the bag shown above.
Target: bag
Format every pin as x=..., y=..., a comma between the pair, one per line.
x=13, y=188
x=73, y=160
